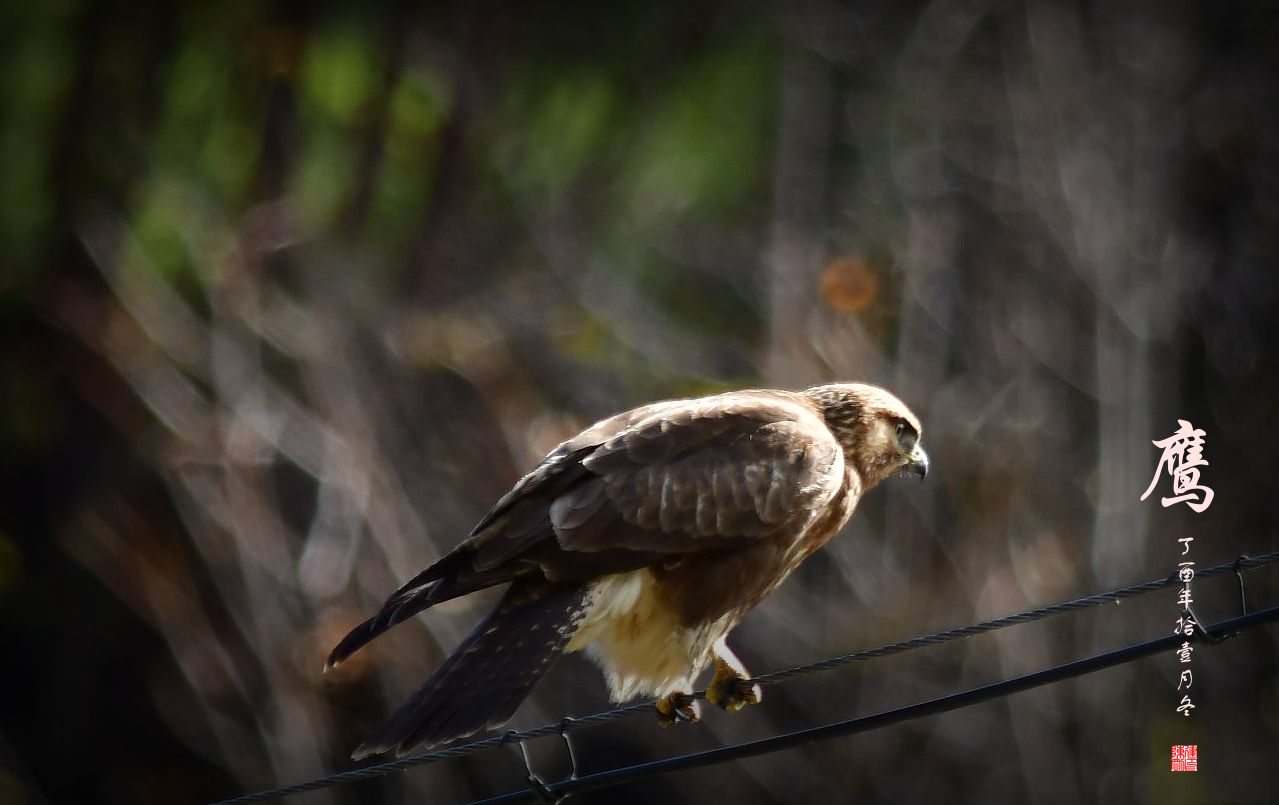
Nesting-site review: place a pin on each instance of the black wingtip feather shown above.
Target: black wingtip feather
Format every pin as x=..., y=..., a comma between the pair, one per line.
x=354, y=640
x=446, y=579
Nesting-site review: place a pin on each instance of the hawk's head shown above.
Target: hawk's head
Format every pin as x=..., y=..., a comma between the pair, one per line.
x=879, y=434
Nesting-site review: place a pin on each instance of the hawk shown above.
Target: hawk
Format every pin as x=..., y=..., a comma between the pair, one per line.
x=644, y=540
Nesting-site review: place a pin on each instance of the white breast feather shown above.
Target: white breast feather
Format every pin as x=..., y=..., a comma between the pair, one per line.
x=634, y=637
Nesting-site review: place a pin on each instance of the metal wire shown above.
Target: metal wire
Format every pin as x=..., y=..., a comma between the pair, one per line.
x=1242, y=563
x=776, y=677
x=777, y=743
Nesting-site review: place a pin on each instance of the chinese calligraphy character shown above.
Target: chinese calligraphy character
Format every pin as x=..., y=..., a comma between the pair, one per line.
x=1183, y=597
x=1187, y=571
x=1186, y=677
x=1185, y=707
x=1185, y=625
x=1186, y=544
x=1183, y=455
x=1185, y=650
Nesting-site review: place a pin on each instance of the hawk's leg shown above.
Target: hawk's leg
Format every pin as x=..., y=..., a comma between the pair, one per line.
x=731, y=688
x=676, y=707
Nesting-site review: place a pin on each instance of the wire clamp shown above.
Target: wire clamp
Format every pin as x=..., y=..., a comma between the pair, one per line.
x=536, y=785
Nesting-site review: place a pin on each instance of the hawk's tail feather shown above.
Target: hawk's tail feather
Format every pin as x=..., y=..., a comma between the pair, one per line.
x=489, y=675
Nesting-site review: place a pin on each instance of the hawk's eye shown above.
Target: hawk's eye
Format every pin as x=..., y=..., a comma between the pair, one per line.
x=906, y=436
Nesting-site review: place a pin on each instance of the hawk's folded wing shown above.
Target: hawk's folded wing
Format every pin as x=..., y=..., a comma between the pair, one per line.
x=682, y=478
x=644, y=487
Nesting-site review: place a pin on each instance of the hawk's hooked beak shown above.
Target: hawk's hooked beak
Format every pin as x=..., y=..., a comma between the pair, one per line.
x=918, y=463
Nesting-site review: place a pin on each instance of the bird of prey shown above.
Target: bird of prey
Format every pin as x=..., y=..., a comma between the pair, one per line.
x=644, y=540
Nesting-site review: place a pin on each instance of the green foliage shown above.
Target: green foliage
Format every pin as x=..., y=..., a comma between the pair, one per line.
x=702, y=145
x=550, y=131
x=37, y=70
x=340, y=73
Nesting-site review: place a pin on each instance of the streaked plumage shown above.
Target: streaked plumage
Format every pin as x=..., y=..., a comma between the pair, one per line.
x=644, y=540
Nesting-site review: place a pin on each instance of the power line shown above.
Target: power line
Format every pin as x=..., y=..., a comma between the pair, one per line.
x=1242, y=563
x=777, y=743
x=777, y=677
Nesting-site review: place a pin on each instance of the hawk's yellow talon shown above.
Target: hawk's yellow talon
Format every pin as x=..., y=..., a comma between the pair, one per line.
x=676, y=707
x=730, y=690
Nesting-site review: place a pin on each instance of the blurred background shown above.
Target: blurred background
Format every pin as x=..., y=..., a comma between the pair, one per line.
x=291, y=293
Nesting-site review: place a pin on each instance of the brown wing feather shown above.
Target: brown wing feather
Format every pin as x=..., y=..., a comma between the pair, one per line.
x=563, y=464
x=704, y=475
x=741, y=484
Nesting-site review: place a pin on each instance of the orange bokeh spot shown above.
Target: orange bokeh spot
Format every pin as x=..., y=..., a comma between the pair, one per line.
x=848, y=284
